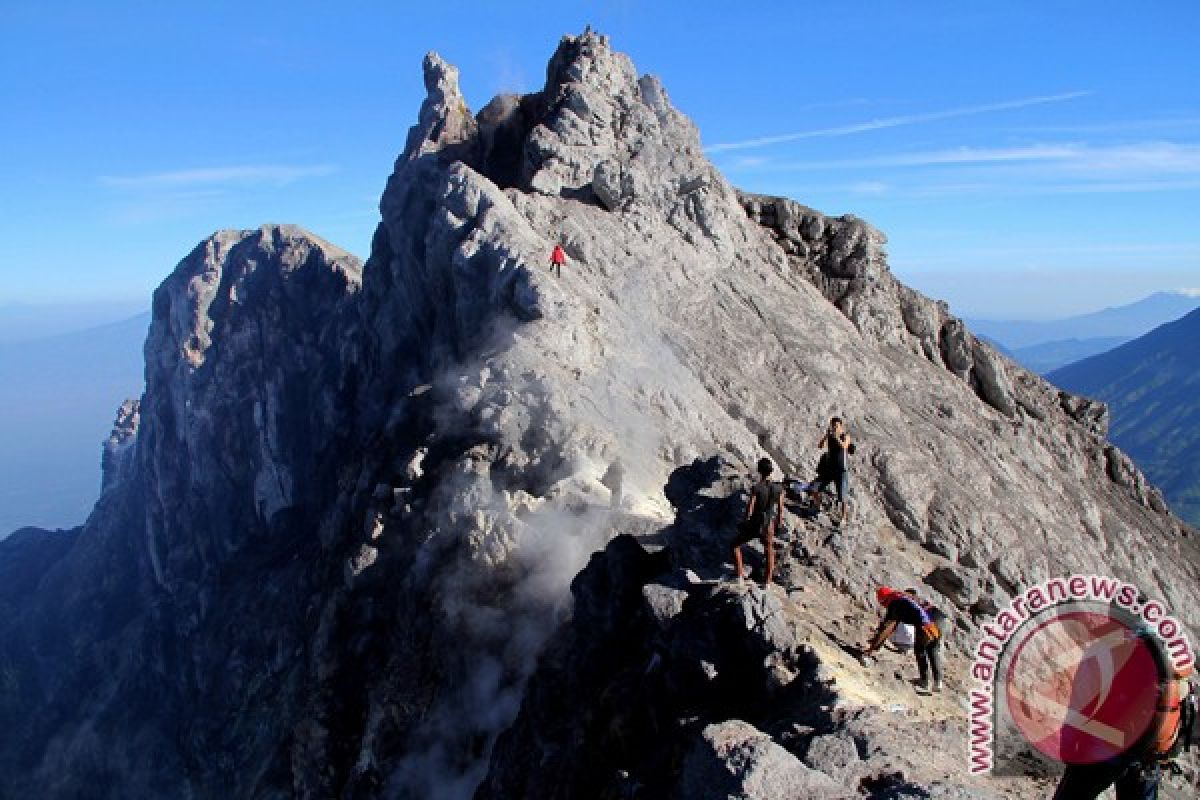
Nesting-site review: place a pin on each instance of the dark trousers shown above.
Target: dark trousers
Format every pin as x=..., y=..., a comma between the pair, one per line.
x=556, y=268
x=840, y=480
x=1132, y=780
x=929, y=657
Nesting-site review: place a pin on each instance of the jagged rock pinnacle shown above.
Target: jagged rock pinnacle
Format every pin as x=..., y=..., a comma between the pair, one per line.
x=445, y=125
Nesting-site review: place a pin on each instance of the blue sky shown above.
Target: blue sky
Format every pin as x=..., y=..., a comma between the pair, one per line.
x=1025, y=159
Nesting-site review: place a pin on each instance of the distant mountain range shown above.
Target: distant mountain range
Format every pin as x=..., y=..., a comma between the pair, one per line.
x=58, y=397
x=1152, y=387
x=24, y=322
x=1047, y=356
x=1044, y=345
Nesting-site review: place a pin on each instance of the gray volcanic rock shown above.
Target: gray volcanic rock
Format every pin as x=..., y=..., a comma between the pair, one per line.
x=241, y=389
x=117, y=457
x=735, y=760
x=171, y=626
x=365, y=545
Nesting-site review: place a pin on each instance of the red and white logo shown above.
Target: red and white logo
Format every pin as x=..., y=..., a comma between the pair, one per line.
x=1082, y=687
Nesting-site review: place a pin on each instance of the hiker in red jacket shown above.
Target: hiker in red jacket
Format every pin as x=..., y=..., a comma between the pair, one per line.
x=903, y=608
x=557, y=259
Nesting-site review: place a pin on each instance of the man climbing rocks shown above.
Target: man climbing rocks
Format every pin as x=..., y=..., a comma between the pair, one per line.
x=902, y=608
x=557, y=258
x=834, y=467
x=762, y=514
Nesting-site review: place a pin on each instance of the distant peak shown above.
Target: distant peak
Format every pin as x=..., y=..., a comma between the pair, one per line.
x=220, y=242
x=570, y=59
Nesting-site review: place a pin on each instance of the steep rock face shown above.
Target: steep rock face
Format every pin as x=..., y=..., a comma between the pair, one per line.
x=241, y=405
x=353, y=512
x=844, y=257
x=157, y=650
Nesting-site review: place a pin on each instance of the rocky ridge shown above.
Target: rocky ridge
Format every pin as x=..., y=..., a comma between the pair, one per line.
x=361, y=507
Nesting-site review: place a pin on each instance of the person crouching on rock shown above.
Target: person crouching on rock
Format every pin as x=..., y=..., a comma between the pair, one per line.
x=762, y=514
x=834, y=466
x=902, y=608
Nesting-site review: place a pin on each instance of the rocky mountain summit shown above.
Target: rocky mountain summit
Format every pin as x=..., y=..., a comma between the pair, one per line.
x=444, y=525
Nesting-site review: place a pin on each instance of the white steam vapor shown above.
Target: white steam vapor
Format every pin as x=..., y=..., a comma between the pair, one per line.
x=501, y=562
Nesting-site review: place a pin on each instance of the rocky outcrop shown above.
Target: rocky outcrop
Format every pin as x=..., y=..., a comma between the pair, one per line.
x=336, y=558
x=845, y=259
x=668, y=683
x=241, y=411
x=116, y=459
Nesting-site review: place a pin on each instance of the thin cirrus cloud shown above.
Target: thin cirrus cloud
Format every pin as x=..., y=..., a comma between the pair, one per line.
x=894, y=122
x=1009, y=187
x=1147, y=157
x=1116, y=126
x=271, y=174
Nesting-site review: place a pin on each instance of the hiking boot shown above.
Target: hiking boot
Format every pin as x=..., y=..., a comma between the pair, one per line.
x=937, y=685
x=921, y=684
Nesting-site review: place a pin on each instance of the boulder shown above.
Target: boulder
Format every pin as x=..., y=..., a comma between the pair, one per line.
x=735, y=760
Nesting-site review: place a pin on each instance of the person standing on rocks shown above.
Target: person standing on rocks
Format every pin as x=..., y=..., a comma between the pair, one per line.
x=762, y=514
x=902, y=608
x=834, y=466
x=557, y=258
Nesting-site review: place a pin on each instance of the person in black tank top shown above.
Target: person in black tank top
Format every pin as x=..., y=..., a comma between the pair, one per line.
x=762, y=514
x=834, y=466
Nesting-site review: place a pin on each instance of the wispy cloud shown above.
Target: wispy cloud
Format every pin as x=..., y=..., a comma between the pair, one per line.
x=1012, y=188
x=508, y=75
x=895, y=122
x=1158, y=157
x=1049, y=169
x=1115, y=126
x=1086, y=187
x=952, y=156
x=869, y=187
x=249, y=174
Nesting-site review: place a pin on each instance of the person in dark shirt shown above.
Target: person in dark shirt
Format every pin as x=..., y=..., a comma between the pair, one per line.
x=901, y=607
x=834, y=466
x=762, y=514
